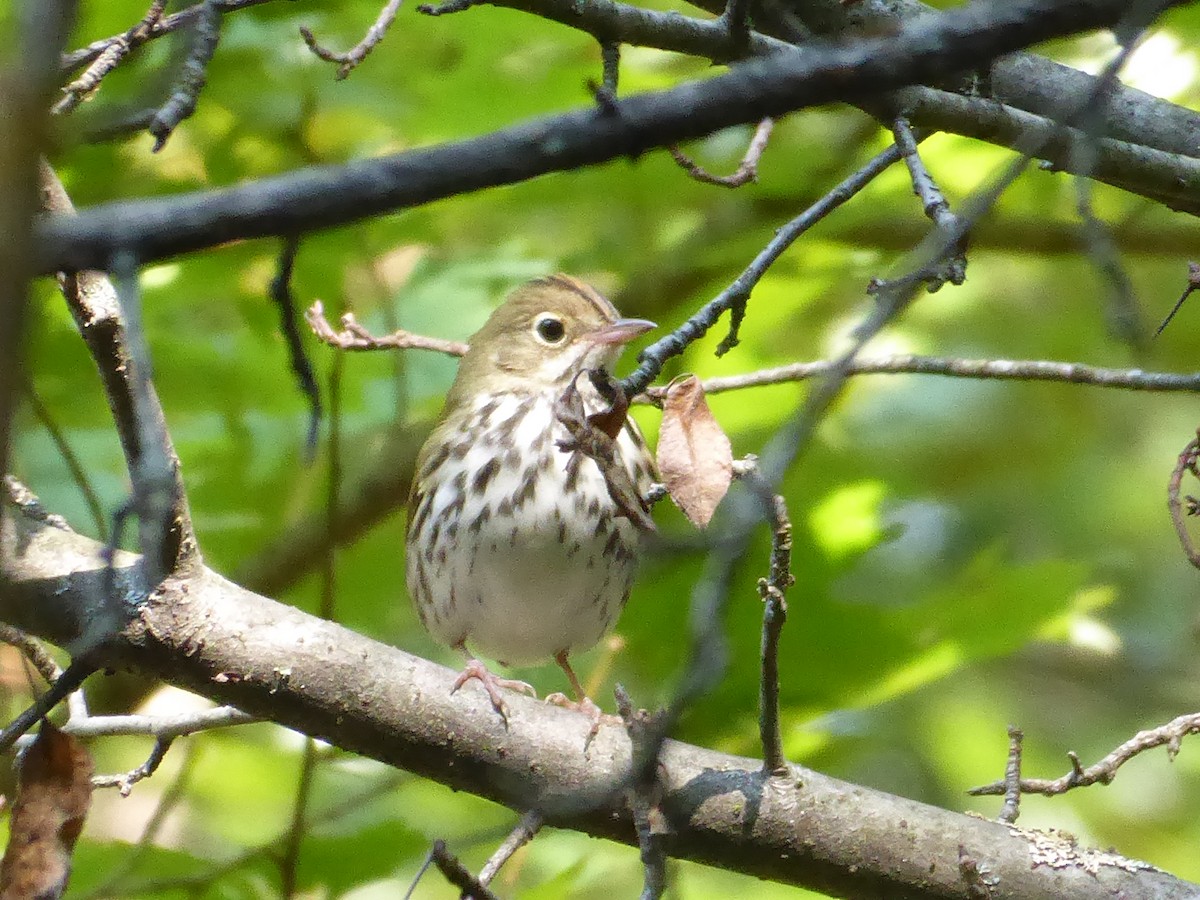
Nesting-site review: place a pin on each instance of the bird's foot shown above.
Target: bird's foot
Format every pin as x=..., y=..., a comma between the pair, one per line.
x=492, y=684
x=588, y=707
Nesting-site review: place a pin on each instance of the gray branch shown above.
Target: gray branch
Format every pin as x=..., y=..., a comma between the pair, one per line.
x=208, y=635
x=932, y=47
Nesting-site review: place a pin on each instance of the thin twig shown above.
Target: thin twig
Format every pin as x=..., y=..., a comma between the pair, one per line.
x=952, y=367
x=1012, y=778
x=934, y=204
x=606, y=91
x=349, y=60
x=1124, y=316
x=154, y=498
x=126, y=780
x=355, y=337
x=1189, y=457
x=1170, y=735
x=522, y=834
x=1193, y=282
x=773, y=592
x=457, y=874
x=69, y=62
x=747, y=170
x=165, y=726
x=33, y=650
x=65, y=684
x=93, y=303
x=116, y=49
x=652, y=359
x=643, y=793
x=290, y=857
x=192, y=77
x=74, y=466
x=281, y=295
x=129, y=862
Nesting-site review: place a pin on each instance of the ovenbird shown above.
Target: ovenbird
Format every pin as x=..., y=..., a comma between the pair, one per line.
x=516, y=549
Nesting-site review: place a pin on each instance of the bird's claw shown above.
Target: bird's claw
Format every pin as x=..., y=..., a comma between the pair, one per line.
x=588, y=707
x=492, y=684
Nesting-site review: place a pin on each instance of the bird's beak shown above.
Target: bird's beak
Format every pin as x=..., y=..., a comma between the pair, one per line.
x=621, y=331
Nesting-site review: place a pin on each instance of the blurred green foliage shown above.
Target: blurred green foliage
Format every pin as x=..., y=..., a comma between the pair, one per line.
x=968, y=554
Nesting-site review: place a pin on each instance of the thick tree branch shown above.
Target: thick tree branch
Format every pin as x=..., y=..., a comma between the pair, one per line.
x=207, y=634
x=323, y=197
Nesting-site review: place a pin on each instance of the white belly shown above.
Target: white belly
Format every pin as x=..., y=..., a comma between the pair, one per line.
x=539, y=563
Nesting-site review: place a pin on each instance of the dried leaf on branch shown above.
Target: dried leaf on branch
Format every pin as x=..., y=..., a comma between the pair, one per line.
x=54, y=791
x=695, y=459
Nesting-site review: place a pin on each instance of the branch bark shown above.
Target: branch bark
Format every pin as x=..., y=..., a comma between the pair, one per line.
x=205, y=633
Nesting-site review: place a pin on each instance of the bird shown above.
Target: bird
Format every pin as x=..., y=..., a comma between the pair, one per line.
x=516, y=549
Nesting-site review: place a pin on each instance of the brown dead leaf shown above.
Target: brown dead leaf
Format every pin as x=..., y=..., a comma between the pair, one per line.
x=694, y=456
x=54, y=791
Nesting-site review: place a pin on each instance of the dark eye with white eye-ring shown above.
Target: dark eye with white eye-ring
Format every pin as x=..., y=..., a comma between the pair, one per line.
x=549, y=329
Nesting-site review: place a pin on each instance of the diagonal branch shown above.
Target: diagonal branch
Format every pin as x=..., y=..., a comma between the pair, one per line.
x=323, y=197
x=93, y=303
x=209, y=635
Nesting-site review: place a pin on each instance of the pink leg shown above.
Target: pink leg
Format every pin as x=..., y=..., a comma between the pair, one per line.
x=491, y=683
x=583, y=703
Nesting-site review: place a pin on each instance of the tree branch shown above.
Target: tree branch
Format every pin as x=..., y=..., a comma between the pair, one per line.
x=205, y=633
x=323, y=197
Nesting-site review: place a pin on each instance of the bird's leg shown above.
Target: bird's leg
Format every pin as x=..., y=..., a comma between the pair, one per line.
x=491, y=683
x=583, y=703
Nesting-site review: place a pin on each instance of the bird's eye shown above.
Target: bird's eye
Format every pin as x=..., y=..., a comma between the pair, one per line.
x=549, y=329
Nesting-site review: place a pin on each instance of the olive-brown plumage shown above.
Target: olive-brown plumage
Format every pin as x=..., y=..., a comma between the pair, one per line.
x=515, y=549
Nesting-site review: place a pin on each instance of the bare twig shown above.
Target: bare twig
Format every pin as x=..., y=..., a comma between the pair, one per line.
x=155, y=497
x=456, y=873
x=33, y=650
x=115, y=50
x=747, y=170
x=129, y=862
x=348, y=61
x=933, y=202
x=354, y=337
x=74, y=466
x=1188, y=461
x=952, y=367
x=1170, y=735
x=94, y=305
x=644, y=792
x=290, y=857
x=652, y=359
x=1012, y=778
x=1124, y=316
x=193, y=74
x=522, y=834
x=163, y=727
x=69, y=62
x=164, y=730
x=281, y=295
x=1193, y=282
x=65, y=684
x=126, y=780
x=773, y=592
x=606, y=91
